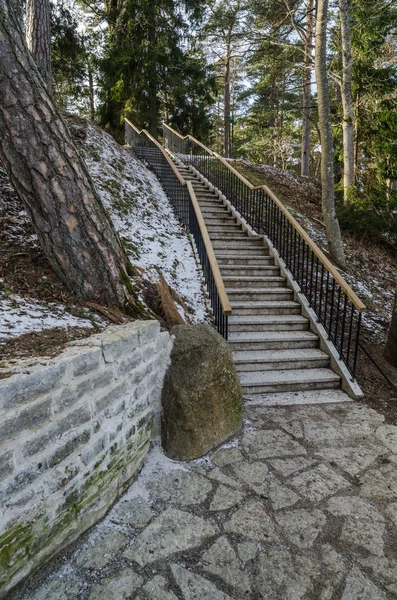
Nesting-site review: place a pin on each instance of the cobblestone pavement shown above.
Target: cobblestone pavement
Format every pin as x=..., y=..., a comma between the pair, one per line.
x=302, y=504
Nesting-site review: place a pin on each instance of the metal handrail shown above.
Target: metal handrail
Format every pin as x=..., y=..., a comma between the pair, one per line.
x=317, y=251
x=192, y=217
x=334, y=303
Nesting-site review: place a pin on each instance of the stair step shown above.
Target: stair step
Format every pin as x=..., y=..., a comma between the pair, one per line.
x=247, y=323
x=266, y=308
x=268, y=360
x=254, y=282
x=229, y=259
x=233, y=235
x=259, y=382
x=228, y=218
x=269, y=340
x=217, y=210
x=259, y=294
x=251, y=270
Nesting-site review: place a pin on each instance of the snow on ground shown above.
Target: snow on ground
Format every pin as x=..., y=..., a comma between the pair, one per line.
x=19, y=315
x=142, y=214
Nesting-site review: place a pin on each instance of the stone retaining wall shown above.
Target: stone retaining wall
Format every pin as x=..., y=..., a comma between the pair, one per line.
x=74, y=431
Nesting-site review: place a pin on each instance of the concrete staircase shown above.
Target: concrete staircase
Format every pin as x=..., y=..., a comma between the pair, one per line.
x=273, y=347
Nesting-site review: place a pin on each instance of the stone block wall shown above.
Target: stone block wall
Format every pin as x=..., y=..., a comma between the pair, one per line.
x=74, y=431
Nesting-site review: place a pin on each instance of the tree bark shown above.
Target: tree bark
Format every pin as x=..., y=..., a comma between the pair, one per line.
x=327, y=147
x=307, y=92
x=153, y=109
x=38, y=36
x=91, y=90
x=227, y=100
x=53, y=182
x=391, y=344
x=345, y=7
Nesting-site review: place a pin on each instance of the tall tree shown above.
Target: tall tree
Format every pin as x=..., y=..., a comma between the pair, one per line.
x=345, y=8
x=38, y=36
x=53, y=182
x=391, y=344
x=327, y=147
x=307, y=91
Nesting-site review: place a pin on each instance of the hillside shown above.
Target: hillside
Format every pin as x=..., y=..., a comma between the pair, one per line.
x=371, y=272
x=37, y=313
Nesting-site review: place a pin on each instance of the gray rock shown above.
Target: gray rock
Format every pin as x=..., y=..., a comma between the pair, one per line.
x=222, y=560
x=156, y=589
x=226, y=456
x=302, y=527
x=270, y=443
x=320, y=433
x=181, y=487
x=252, y=521
x=334, y=571
x=201, y=397
x=318, y=483
x=257, y=477
x=217, y=475
x=380, y=482
x=392, y=513
x=173, y=531
x=247, y=551
x=117, y=588
x=363, y=525
x=98, y=553
x=225, y=498
x=353, y=460
x=288, y=466
x=57, y=590
x=387, y=434
x=135, y=512
x=360, y=588
x=252, y=473
x=383, y=569
x=195, y=587
x=279, y=576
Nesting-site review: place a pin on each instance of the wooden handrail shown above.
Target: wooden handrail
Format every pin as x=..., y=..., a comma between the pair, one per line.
x=360, y=306
x=220, y=286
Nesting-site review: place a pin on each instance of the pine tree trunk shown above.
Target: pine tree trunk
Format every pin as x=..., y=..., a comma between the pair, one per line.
x=38, y=36
x=345, y=8
x=307, y=92
x=327, y=147
x=153, y=111
x=53, y=182
x=391, y=344
x=91, y=91
x=227, y=103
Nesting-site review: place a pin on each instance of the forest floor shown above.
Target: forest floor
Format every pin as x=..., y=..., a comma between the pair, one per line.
x=371, y=271
x=38, y=315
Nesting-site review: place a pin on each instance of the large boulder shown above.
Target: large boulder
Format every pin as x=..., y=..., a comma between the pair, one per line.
x=201, y=398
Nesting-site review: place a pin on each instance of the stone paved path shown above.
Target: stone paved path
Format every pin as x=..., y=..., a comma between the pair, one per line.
x=301, y=505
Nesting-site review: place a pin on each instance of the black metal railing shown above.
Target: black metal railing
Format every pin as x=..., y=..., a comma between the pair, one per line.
x=336, y=306
x=181, y=196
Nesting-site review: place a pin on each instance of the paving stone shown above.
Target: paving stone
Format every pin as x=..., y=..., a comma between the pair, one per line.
x=318, y=483
x=221, y=560
x=280, y=495
x=334, y=570
x=270, y=443
x=322, y=433
x=226, y=498
x=217, y=475
x=392, y=513
x=117, y=588
x=156, y=589
x=360, y=588
x=387, y=434
x=302, y=527
x=173, y=531
x=288, y=466
x=136, y=512
x=247, y=551
x=195, y=587
x=380, y=482
x=355, y=413
x=252, y=473
x=57, y=590
x=383, y=569
x=363, y=525
x=281, y=576
x=181, y=487
x=352, y=460
x=99, y=552
x=226, y=456
x=289, y=423
x=252, y=521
